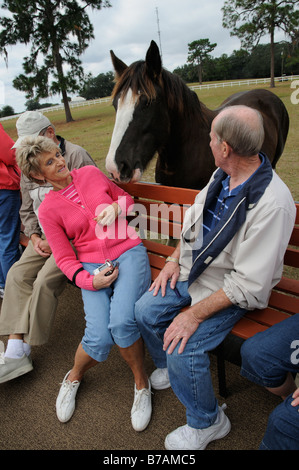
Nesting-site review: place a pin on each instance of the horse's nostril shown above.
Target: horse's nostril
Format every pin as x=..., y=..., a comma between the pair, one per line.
x=125, y=170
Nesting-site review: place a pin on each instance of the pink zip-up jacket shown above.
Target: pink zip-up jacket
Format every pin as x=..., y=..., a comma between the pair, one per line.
x=64, y=220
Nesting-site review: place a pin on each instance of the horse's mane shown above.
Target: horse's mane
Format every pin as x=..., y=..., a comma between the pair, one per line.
x=177, y=93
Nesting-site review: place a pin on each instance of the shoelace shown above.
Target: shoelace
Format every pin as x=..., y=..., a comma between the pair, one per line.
x=68, y=386
x=140, y=398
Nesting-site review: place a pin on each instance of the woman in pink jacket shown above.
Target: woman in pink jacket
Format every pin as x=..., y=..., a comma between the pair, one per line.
x=86, y=208
x=10, y=202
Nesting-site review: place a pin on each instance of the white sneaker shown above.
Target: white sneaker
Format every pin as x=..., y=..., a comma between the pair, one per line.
x=160, y=379
x=65, y=403
x=142, y=408
x=1, y=292
x=187, y=438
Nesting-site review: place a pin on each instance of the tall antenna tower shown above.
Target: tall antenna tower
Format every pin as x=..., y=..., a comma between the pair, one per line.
x=159, y=32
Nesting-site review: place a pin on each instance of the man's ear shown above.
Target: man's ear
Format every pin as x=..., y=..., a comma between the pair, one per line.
x=50, y=133
x=37, y=176
x=226, y=148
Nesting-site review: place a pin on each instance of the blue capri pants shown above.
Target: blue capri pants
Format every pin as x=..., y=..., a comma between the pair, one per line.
x=109, y=312
x=267, y=357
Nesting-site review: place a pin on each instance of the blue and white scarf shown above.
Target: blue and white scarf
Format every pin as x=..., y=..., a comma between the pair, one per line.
x=218, y=238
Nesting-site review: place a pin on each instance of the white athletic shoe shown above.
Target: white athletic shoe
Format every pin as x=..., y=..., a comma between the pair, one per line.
x=65, y=403
x=160, y=379
x=142, y=408
x=187, y=438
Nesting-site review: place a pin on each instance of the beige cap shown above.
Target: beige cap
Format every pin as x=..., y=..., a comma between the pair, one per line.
x=30, y=123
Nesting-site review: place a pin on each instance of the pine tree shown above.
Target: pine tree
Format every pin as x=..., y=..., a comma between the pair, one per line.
x=58, y=31
x=252, y=19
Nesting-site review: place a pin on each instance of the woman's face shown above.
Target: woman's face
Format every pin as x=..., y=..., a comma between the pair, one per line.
x=53, y=169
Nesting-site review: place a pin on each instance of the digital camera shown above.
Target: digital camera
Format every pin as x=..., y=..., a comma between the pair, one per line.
x=108, y=264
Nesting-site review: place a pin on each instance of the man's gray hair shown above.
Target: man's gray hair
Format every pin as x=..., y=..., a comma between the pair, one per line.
x=242, y=128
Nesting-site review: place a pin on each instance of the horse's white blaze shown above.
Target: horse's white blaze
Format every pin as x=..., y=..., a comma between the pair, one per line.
x=124, y=116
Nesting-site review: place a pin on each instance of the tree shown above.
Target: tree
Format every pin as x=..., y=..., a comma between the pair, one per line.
x=198, y=53
x=7, y=111
x=252, y=19
x=97, y=87
x=59, y=32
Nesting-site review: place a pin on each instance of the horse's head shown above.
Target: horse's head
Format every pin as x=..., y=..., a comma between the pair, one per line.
x=142, y=123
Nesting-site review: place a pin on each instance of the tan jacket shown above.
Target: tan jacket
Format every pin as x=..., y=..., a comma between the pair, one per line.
x=251, y=264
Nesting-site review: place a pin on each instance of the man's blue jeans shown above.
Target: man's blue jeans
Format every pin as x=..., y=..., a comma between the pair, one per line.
x=10, y=203
x=266, y=359
x=189, y=372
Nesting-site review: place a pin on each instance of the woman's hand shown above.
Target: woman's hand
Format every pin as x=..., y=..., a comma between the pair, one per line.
x=100, y=281
x=108, y=215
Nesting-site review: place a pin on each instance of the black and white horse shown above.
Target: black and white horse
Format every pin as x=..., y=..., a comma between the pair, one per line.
x=156, y=113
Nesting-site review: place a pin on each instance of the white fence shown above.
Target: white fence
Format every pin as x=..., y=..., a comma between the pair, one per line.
x=73, y=104
x=253, y=81
x=249, y=82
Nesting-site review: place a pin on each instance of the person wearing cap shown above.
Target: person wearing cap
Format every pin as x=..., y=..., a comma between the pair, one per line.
x=34, y=282
x=10, y=201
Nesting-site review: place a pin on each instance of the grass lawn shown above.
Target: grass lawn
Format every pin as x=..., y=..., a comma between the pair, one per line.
x=93, y=125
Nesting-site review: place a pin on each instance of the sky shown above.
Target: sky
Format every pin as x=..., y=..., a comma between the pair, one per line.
x=128, y=28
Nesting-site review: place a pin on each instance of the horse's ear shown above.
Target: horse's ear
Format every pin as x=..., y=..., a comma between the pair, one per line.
x=153, y=60
x=119, y=65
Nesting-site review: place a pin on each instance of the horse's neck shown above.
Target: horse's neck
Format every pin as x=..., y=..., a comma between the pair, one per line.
x=186, y=159
x=189, y=128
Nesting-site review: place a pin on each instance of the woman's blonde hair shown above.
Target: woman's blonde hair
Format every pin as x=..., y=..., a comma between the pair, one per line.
x=28, y=154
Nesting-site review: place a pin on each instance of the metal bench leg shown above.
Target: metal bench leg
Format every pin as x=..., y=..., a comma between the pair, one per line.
x=221, y=371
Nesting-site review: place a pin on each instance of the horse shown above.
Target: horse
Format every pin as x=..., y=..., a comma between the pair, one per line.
x=158, y=114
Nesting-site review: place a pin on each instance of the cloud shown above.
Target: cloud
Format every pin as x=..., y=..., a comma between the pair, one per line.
x=128, y=28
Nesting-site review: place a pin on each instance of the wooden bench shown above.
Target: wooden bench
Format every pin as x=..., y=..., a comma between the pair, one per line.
x=159, y=216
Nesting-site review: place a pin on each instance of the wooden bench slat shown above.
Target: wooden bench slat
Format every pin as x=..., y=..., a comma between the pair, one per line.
x=156, y=261
x=291, y=257
x=267, y=316
x=294, y=240
x=160, y=193
x=283, y=302
x=246, y=328
x=165, y=228
x=159, y=248
x=291, y=286
x=172, y=212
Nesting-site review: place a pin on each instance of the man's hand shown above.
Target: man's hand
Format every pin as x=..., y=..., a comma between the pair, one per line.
x=186, y=323
x=295, y=402
x=181, y=329
x=171, y=271
x=41, y=246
